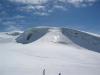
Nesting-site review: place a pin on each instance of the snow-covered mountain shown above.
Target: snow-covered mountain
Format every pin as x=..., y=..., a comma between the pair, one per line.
x=61, y=35
x=55, y=49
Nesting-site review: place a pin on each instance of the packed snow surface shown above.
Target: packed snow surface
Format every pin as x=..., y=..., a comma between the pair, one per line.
x=57, y=50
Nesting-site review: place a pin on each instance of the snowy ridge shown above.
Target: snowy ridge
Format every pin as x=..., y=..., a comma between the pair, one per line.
x=61, y=36
x=55, y=35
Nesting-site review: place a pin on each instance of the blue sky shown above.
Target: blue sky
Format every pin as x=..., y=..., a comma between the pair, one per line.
x=23, y=14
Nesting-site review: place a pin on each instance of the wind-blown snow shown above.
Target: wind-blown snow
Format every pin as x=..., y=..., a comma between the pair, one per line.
x=53, y=49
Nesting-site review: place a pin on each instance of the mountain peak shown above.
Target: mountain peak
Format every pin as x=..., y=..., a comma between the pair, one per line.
x=55, y=35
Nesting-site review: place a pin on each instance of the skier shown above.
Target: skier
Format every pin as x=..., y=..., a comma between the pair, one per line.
x=43, y=71
x=59, y=73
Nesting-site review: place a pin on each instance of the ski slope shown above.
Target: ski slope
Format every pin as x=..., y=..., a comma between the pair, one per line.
x=57, y=50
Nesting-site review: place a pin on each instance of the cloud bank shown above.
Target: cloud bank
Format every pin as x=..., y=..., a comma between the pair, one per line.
x=74, y=2
x=44, y=7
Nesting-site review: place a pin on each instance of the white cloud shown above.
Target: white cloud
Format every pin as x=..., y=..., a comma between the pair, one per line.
x=39, y=2
x=18, y=17
x=42, y=7
x=11, y=26
x=59, y=7
x=8, y=23
x=80, y=2
x=30, y=1
x=27, y=8
x=41, y=13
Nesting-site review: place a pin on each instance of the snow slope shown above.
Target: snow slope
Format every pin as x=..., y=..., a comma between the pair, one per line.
x=55, y=49
x=8, y=37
